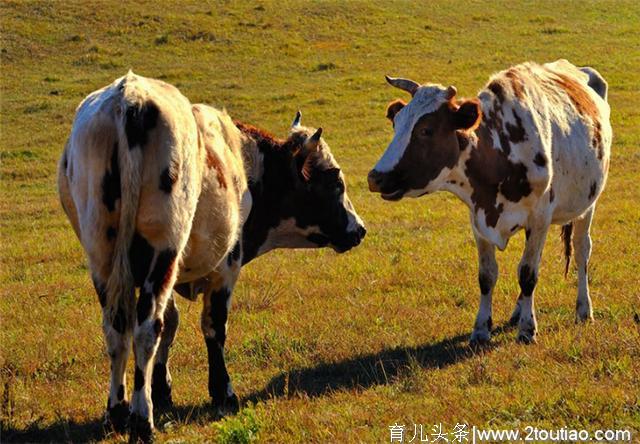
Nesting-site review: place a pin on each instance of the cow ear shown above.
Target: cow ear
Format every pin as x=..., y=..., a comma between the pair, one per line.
x=468, y=115
x=313, y=142
x=394, y=108
x=310, y=152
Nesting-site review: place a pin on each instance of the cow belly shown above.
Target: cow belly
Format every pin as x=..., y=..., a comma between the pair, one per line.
x=578, y=181
x=214, y=232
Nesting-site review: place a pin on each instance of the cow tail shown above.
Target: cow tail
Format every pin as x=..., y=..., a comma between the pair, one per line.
x=566, y=233
x=130, y=116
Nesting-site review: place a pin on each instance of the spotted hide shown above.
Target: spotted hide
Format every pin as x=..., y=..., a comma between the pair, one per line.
x=532, y=149
x=163, y=194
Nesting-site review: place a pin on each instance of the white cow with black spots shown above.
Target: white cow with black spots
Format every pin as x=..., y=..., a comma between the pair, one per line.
x=165, y=194
x=530, y=151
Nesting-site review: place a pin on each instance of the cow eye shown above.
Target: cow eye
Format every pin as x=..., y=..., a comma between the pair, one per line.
x=426, y=132
x=339, y=189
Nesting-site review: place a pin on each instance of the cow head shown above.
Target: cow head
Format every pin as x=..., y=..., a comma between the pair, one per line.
x=425, y=146
x=321, y=209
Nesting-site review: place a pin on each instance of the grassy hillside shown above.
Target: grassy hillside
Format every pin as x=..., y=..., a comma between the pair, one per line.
x=326, y=348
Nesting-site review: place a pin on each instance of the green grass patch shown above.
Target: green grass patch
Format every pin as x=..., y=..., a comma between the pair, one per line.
x=240, y=429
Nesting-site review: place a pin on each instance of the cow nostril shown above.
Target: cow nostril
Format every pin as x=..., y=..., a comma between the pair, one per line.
x=362, y=231
x=374, y=181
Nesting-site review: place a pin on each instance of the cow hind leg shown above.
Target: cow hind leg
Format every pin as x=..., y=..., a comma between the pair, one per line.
x=528, y=270
x=154, y=296
x=487, y=277
x=118, y=341
x=118, y=338
x=515, y=314
x=514, y=320
x=161, y=382
x=582, y=252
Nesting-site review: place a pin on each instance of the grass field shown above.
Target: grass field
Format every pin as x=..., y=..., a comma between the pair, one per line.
x=321, y=347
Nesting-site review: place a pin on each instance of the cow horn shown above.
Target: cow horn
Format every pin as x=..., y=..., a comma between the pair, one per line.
x=296, y=120
x=451, y=92
x=405, y=84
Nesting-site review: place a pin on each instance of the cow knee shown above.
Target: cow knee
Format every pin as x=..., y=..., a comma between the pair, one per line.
x=101, y=290
x=527, y=278
x=487, y=279
x=115, y=341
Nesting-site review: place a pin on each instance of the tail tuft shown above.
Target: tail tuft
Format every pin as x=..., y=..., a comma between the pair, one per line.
x=566, y=234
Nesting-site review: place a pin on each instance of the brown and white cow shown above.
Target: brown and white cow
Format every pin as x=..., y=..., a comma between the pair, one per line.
x=531, y=150
x=162, y=193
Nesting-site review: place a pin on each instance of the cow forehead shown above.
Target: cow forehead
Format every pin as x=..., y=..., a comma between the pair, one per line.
x=427, y=99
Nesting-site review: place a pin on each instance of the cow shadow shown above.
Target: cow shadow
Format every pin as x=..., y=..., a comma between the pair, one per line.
x=365, y=371
x=59, y=431
x=355, y=373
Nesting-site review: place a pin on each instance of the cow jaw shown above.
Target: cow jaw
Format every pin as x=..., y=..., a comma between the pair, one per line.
x=287, y=234
x=433, y=185
x=395, y=196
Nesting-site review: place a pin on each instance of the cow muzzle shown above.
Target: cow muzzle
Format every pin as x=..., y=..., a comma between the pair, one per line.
x=351, y=240
x=384, y=184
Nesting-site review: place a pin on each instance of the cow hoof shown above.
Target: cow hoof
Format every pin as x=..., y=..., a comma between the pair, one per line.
x=479, y=338
x=527, y=338
x=583, y=318
x=140, y=430
x=527, y=331
x=117, y=417
x=229, y=406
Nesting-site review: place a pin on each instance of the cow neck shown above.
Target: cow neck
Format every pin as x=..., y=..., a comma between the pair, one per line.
x=457, y=182
x=269, y=191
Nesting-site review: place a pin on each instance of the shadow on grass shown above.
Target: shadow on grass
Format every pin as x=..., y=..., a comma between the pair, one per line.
x=59, y=431
x=364, y=371
x=359, y=372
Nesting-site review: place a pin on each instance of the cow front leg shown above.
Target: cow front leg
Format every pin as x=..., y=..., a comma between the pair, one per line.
x=582, y=253
x=118, y=340
x=487, y=277
x=217, y=302
x=528, y=278
x=154, y=296
x=161, y=382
